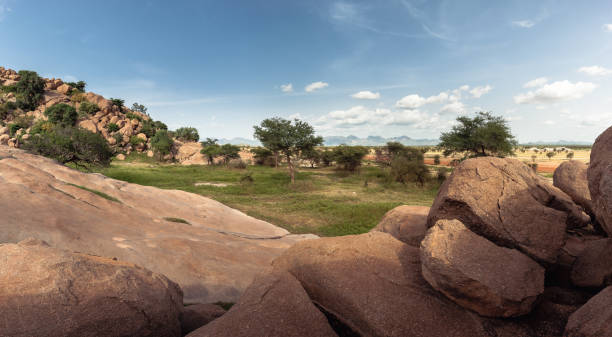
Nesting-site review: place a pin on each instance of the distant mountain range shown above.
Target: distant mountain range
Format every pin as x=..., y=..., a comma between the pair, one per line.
x=349, y=140
x=559, y=142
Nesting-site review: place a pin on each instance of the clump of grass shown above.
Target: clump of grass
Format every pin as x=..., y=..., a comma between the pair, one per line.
x=98, y=193
x=179, y=220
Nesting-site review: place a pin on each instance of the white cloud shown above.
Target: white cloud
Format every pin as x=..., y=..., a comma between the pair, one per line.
x=455, y=107
x=415, y=101
x=556, y=91
x=287, y=87
x=464, y=87
x=361, y=116
x=538, y=82
x=523, y=23
x=479, y=91
x=595, y=71
x=549, y=122
x=607, y=27
x=366, y=95
x=316, y=86
x=4, y=9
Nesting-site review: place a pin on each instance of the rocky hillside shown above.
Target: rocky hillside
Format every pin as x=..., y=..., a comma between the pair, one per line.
x=129, y=124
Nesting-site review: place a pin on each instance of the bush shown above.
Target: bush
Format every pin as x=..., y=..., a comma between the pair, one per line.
x=112, y=127
x=327, y=157
x=349, y=157
x=237, y=164
x=263, y=156
x=80, y=85
x=6, y=110
x=570, y=155
x=118, y=102
x=77, y=96
x=405, y=169
x=62, y=114
x=311, y=155
x=71, y=145
x=162, y=144
x=139, y=108
x=88, y=108
x=187, y=134
x=28, y=90
x=135, y=141
x=150, y=127
x=42, y=127
x=21, y=122
x=131, y=115
x=437, y=159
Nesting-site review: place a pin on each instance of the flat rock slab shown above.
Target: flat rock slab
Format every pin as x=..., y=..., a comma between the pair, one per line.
x=599, y=176
x=213, y=258
x=405, y=223
x=477, y=274
x=50, y=292
x=506, y=202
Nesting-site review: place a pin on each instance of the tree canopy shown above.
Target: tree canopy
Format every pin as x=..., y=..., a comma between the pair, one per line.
x=483, y=135
x=289, y=138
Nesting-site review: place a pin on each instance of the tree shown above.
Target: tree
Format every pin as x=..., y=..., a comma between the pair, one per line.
x=139, y=108
x=263, y=156
x=570, y=155
x=80, y=85
x=228, y=152
x=62, y=114
x=349, y=157
x=313, y=156
x=187, y=134
x=28, y=90
x=162, y=144
x=550, y=154
x=210, y=149
x=483, y=135
x=437, y=159
x=118, y=102
x=291, y=139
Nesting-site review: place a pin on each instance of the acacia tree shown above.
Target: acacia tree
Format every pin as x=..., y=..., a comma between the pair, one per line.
x=483, y=135
x=210, y=148
x=290, y=139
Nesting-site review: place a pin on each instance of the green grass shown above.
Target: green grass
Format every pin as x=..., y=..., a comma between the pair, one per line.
x=179, y=220
x=322, y=201
x=101, y=194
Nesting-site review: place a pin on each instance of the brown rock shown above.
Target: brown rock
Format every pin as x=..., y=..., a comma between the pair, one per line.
x=64, y=89
x=372, y=283
x=50, y=292
x=88, y=125
x=405, y=223
x=142, y=136
x=499, y=198
x=592, y=319
x=599, y=176
x=476, y=274
x=120, y=156
x=593, y=267
x=571, y=178
x=150, y=154
x=274, y=305
x=4, y=139
x=198, y=315
x=103, y=103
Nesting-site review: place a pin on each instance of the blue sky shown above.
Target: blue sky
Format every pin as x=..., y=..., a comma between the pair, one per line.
x=384, y=68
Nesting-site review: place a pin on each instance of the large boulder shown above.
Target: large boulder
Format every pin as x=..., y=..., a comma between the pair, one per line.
x=477, y=274
x=372, y=284
x=571, y=178
x=593, y=267
x=198, y=315
x=405, y=223
x=50, y=292
x=506, y=202
x=89, y=125
x=213, y=257
x=594, y=319
x=599, y=176
x=274, y=305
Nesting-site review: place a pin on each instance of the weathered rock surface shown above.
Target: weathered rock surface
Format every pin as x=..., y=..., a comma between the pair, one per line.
x=507, y=203
x=198, y=315
x=476, y=274
x=405, y=223
x=592, y=319
x=599, y=176
x=274, y=305
x=214, y=258
x=593, y=267
x=372, y=283
x=50, y=292
x=571, y=178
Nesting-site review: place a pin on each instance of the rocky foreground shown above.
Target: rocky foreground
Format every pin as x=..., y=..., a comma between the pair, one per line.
x=500, y=253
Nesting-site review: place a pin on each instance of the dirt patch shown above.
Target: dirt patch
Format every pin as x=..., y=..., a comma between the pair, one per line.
x=212, y=184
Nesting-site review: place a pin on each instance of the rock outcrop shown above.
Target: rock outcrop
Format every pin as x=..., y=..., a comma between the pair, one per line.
x=594, y=319
x=405, y=223
x=498, y=198
x=593, y=267
x=213, y=258
x=197, y=315
x=275, y=305
x=599, y=176
x=475, y=273
x=571, y=178
x=50, y=292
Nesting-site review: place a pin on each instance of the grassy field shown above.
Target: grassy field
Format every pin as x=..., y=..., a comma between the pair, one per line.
x=322, y=201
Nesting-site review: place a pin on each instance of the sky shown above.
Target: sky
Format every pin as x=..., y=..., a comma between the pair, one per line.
x=363, y=68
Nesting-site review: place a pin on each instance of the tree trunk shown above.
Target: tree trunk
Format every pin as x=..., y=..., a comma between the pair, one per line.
x=276, y=159
x=291, y=170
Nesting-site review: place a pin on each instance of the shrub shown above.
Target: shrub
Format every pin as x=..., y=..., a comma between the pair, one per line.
x=237, y=164
x=437, y=159
x=150, y=127
x=534, y=166
x=550, y=154
x=405, y=169
x=88, y=108
x=161, y=144
x=187, y=134
x=63, y=114
x=28, y=90
x=6, y=110
x=42, y=127
x=79, y=86
x=71, y=145
x=312, y=155
x=77, y=96
x=118, y=102
x=139, y=108
x=135, y=141
x=118, y=138
x=349, y=157
x=327, y=157
x=247, y=178
x=570, y=155
x=21, y=122
x=263, y=156
x=132, y=115
x=112, y=127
